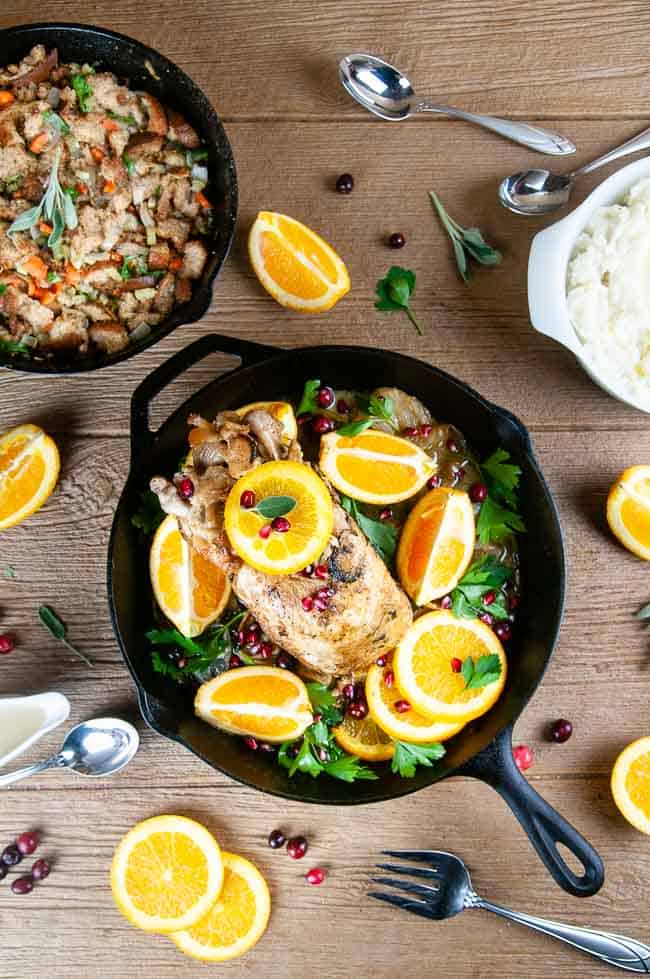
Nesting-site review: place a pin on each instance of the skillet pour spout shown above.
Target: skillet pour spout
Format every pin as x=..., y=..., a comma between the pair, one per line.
x=483, y=749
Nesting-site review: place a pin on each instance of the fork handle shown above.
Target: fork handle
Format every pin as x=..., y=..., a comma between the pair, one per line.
x=626, y=953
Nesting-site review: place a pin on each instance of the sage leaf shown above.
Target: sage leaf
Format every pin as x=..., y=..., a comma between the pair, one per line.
x=275, y=506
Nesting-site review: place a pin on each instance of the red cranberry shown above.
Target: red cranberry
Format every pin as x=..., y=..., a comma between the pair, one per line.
x=561, y=731
x=315, y=876
x=321, y=571
x=280, y=524
x=523, y=757
x=456, y=664
x=489, y=598
x=7, y=643
x=345, y=183
x=308, y=571
x=349, y=691
x=434, y=482
x=410, y=432
x=358, y=709
x=186, y=488
x=397, y=240
x=41, y=869
x=265, y=531
x=251, y=743
x=389, y=678
x=386, y=513
x=22, y=885
x=247, y=499
x=297, y=847
x=503, y=631
x=276, y=839
x=487, y=618
x=445, y=601
x=402, y=706
x=452, y=445
x=266, y=650
x=342, y=407
x=381, y=661
x=307, y=603
x=477, y=492
x=325, y=397
x=321, y=425
x=235, y=661
x=11, y=855
x=285, y=661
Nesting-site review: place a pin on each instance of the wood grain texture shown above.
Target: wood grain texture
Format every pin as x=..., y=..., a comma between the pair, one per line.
x=270, y=68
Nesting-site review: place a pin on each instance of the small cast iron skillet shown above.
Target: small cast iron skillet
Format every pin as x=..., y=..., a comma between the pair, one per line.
x=482, y=750
x=107, y=51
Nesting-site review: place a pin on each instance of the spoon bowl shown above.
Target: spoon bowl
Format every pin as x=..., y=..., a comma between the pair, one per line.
x=535, y=191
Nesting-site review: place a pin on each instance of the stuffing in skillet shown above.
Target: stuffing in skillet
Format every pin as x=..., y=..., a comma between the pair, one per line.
x=102, y=210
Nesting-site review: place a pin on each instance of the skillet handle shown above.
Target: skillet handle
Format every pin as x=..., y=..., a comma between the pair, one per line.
x=544, y=826
x=247, y=351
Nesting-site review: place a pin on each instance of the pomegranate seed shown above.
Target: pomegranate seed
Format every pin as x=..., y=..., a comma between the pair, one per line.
x=41, y=869
x=320, y=604
x=434, y=482
x=280, y=524
x=452, y=445
x=323, y=755
x=7, y=643
x=349, y=691
x=251, y=743
x=11, y=855
x=308, y=571
x=182, y=663
x=486, y=618
x=358, y=709
x=22, y=885
x=321, y=571
x=389, y=678
x=402, y=706
x=247, y=499
x=266, y=650
x=503, y=631
x=458, y=471
x=342, y=407
x=241, y=636
x=445, y=601
x=235, y=661
x=397, y=240
x=345, y=183
x=268, y=749
x=523, y=757
x=251, y=635
x=254, y=648
x=315, y=876
x=285, y=661
x=477, y=492
x=186, y=488
x=297, y=847
x=410, y=432
x=265, y=531
x=425, y=430
x=381, y=661
x=513, y=602
x=321, y=425
x=276, y=839
x=386, y=513
x=305, y=417
x=324, y=592
x=307, y=603
x=456, y=664
x=489, y=598
x=561, y=731
x=325, y=397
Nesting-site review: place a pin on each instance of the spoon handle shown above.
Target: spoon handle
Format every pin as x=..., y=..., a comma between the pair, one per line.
x=626, y=953
x=55, y=761
x=639, y=142
x=538, y=139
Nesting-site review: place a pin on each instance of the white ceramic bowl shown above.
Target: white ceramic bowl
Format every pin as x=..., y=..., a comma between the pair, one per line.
x=550, y=252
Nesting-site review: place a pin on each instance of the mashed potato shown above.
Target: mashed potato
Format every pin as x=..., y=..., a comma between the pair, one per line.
x=608, y=293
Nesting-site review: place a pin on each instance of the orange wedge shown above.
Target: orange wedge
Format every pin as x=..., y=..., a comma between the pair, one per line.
x=424, y=673
x=167, y=873
x=402, y=726
x=436, y=544
x=310, y=519
x=631, y=784
x=295, y=265
x=190, y=590
x=374, y=466
x=29, y=469
x=238, y=919
x=628, y=510
x=261, y=701
x=364, y=739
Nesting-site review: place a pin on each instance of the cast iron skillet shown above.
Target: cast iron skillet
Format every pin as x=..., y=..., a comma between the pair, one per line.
x=108, y=51
x=483, y=750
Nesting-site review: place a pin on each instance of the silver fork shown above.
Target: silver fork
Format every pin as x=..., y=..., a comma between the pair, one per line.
x=446, y=890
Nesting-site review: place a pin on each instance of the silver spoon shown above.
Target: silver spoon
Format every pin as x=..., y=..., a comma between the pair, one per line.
x=443, y=888
x=95, y=748
x=382, y=89
x=540, y=191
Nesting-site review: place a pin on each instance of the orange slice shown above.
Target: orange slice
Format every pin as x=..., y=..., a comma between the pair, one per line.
x=436, y=544
x=310, y=521
x=190, y=590
x=295, y=265
x=261, y=701
x=628, y=510
x=374, y=466
x=402, y=726
x=364, y=739
x=29, y=469
x=167, y=873
x=424, y=673
x=631, y=784
x=238, y=919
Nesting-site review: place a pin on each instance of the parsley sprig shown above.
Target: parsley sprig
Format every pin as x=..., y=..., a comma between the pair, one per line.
x=375, y=409
x=207, y=653
x=149, y=515
x=479, y=673
x=485, y=576
x=468, y=243
x=498, y=517
x=14, y=347
x=394, y=293
x=408, y=756
x=381, y=534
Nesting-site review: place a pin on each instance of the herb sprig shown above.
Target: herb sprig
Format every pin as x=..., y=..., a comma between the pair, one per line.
x=209, y=652
x=149, y=515
x=274, y=506
x=83, y=92
x=485, y=576
x=407, y=757
x=486, y=669
x=498, y=517
x=394, y=293
x=468, y=243
x=308, y=403
x=59, y=631
x=14, y=347
x=55, y=206
x=375, y=409
x=381, y=534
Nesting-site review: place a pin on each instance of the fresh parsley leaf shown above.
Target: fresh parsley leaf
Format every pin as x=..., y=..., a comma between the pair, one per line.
x=163, y=665
x=496, y=522
x=376, y=409
x=308, y=403
x=324, y=703
x=149, y=515
x=58, y=630
x=14, y=347
x=381, y=534
x=394, y=292
x=129, y=163
x=275, y=506
x=502, y=477
x=3, y=288
x=485, y=670
x=467, y=242
x=209, y=652
x=13, y=183
x=482, y=577
x=348, y=768
x=83, y=91
x=173, y=637
x=408, y=756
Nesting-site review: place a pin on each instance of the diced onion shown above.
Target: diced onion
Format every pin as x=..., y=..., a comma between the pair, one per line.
x=143, y=295
x=131, y=248
x=200, y=173
x=151, y=236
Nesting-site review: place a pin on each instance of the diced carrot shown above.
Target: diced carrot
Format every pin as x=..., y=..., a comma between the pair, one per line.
x=97, y=153
x=110, y=186
x=175, y=264
x=81, y=188
x=45, y=228
x=39, y=143
x=202, y=199
x=56, y=288
x=47, y=297
x=110, y=125
x=72, y=275
x=6, y=98
x=35, y=267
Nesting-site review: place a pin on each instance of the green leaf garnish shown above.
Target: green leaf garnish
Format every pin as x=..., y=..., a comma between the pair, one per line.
x=55, y=122
x=498, y=517
x=58, y=630
x=381, y=534
x=486, y=575
x=129, y=163
x=324, y=703
x=83, y=91
x=14, y=347
x=56, y=207
x=308, y=403
x=408, y=756
x=275, y=506
x=485, y=670
x=129, y=120
x=394, y=293
x=375, y=409
x=209, y=652
x=467, y=242
x=149, y=516
x=496, y=522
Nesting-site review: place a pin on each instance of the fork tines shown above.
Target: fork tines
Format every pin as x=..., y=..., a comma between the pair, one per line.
x=429, y=893
x=416, y=907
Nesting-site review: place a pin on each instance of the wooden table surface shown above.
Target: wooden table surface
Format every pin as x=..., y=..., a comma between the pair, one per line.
x=270, y=69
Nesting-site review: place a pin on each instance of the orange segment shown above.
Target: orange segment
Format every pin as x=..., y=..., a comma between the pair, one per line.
x=631, y=784
x=628, y=510
x=238, y=919
x=311, y=520
x=190, y=590
x=424, y=674
x=167, y=873
x=262, y=701
x=402, y=726
x=29, y=469
x=374, y=467
x=295, y=265
x=436, y=544
x=364, y=739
